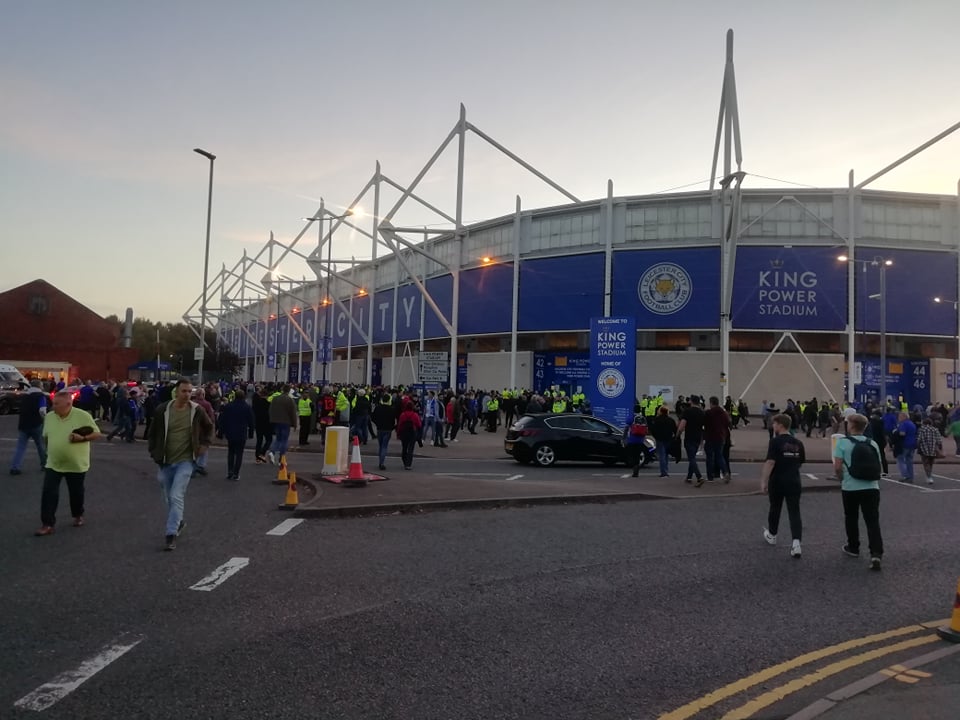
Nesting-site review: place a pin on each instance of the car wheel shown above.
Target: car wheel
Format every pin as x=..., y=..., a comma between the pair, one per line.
x=4, y=407
x=645, y=461
x=545, y=455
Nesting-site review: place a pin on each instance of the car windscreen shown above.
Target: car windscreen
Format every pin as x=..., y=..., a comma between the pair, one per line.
x=524, y=421
x=9, y=378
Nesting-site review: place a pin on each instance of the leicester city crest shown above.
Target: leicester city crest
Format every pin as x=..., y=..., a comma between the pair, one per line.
x=665, y=288
x=611, y=383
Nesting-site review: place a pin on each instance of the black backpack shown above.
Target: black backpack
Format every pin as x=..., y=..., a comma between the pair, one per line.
x=864, y=460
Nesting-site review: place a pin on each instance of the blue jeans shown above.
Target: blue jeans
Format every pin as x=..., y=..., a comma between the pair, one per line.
x=905, y=463
x=23, y=436
x=664, y=457
x=281, y=438
x=429, y=423
x=716, y=465
x=360, y=426
x=383, y=437
x=174, y=480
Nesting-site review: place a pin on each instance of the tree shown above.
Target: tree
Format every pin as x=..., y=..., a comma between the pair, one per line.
x=176, y=346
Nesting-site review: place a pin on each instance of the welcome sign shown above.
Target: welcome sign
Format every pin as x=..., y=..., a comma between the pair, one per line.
x=613, y=368
x=785, y=288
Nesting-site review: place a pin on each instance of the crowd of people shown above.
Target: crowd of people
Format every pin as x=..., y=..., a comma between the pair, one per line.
x=179, y=422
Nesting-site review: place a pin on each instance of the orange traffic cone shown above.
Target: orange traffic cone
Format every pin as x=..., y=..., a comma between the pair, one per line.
x=292, y=499
x=951, y=632
x=282, y=476
x=355, y=474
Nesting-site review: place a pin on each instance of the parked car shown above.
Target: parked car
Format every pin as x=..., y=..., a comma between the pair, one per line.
x=545, y=438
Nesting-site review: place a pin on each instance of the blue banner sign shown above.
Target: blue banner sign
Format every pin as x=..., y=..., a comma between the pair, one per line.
x=566, y=371
x=909, y=379
x=613, y=368
x=913, y=279
x=789, y=288
x=667, y=289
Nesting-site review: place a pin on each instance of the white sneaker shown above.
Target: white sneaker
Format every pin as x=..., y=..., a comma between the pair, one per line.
x=929, y=481
x=771, y=539
x=795, y=550
x=271, y=457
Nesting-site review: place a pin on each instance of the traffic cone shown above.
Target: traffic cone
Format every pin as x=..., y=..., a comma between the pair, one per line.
x=282, y=476
x=292, y=499
x=355, y=474
x=951, y=632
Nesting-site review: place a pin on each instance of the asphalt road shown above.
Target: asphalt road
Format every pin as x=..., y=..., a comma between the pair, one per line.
x=627, y=610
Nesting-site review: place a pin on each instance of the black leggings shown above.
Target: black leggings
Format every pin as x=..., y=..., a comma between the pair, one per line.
x=264, y=438
x=792, y=496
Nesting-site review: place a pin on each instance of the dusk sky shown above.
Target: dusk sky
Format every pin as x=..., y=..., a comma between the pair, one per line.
x=104, y=101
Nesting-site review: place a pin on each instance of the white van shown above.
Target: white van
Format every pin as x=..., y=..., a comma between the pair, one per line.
x=11, y=378
x=12, y=386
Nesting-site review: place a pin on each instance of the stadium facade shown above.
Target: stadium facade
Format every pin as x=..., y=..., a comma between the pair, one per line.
x=735, y=290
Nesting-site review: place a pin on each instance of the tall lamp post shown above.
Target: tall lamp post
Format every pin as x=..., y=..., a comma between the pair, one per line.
x=882, y=263
x=206, y=264
x=956, y=307
x=327, y=335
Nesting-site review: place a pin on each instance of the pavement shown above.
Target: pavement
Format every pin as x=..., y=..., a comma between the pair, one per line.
x=926, y=686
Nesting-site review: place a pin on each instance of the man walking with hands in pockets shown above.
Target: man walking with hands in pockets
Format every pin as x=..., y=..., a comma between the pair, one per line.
x=181, y=431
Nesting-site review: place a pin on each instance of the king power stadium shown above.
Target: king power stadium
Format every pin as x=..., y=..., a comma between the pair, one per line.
x=753, y=293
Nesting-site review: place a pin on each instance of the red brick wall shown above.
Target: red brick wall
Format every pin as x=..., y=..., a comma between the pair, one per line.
x=38, y=322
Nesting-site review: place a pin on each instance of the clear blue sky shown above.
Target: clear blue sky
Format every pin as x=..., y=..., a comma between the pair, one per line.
x=105, y=100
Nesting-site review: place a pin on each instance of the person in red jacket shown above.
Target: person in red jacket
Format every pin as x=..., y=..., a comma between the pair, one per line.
x=408, y=429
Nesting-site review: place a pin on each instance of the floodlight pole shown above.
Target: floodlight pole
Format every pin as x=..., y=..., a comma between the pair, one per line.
x=206, y=264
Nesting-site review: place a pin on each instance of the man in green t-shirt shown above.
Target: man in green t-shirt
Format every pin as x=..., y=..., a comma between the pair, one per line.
x=181, y=431
x=67, y=432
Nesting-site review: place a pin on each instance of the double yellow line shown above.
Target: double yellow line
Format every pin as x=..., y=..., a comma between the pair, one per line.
x=779, y=693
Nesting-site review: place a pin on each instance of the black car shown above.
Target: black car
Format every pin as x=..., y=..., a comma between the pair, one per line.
x=545, y=438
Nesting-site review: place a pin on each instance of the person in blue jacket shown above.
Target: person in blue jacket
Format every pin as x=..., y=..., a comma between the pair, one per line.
x=236, y=424
x=634, y=436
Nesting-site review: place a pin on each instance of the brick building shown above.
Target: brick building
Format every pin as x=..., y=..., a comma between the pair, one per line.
x=45, y=332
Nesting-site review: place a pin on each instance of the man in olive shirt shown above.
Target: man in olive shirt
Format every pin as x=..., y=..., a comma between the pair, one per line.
x=181, y=431
x=66, y=431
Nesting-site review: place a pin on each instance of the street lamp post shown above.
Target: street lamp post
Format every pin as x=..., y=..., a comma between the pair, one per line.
x=956, y=356
x=883, y=264
x=206, y=264
x=328, y=323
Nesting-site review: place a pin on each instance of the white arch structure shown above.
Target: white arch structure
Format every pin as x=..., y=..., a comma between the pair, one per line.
x=243, y=298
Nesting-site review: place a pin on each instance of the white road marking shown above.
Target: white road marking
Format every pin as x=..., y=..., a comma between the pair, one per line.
x=514, y=477
x=285, y=527
x=811, y=476
x=465, y=474
x=222, y=573
x=627, y=475
x=945, y=477
x=54, y=691
x=907, y=485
